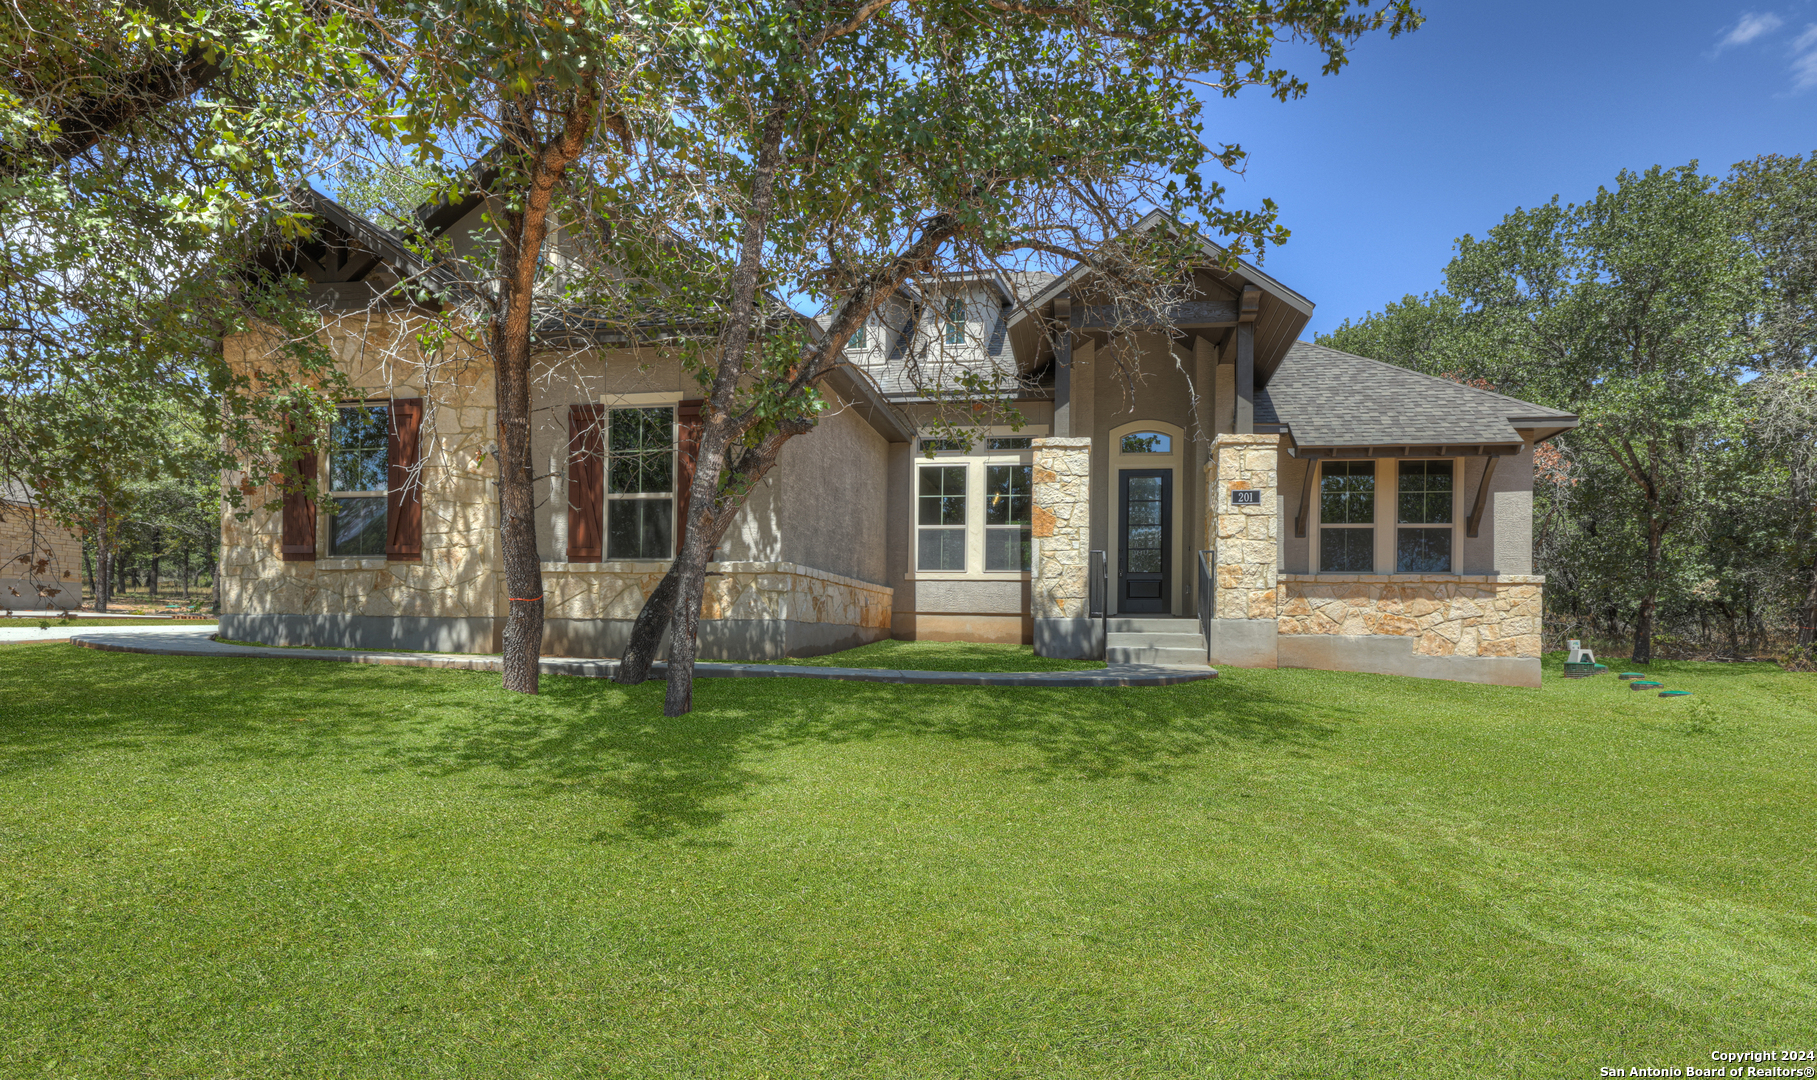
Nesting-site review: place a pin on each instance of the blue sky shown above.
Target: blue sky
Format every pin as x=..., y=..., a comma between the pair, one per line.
x=1495, y=104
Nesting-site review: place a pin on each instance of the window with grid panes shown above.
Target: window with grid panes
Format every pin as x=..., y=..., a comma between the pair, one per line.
x=1008, y=516
x=1424, y=503
x=940, y=518
x=955, y=322
x=357, y=475
x=1347, y=517
x=640, y=483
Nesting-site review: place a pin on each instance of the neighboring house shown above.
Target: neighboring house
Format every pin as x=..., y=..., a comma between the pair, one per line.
x=43, y=561
x=1297, y=505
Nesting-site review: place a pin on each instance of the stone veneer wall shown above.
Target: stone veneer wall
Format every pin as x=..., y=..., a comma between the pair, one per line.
x=750, y=610
x=454, y=599
x=455, y=594
x=1446, y=614
x=1246, y=537
x=1060, y=593
x=42, y=562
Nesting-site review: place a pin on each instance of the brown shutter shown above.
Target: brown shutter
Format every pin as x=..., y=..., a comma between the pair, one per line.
x=687, y=418
x=298, y=541
x=586, y=483
x=404, y=481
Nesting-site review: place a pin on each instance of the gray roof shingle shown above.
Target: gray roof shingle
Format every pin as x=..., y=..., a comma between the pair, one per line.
x=1331, y=398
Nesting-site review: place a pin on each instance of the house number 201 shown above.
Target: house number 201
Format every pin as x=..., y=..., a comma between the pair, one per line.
x=1245, y=498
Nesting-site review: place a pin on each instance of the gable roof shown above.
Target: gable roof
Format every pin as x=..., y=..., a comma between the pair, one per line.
x=1281, y=317
x=1331, y=401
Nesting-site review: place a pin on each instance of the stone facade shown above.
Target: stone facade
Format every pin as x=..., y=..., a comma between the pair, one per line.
x=454, y=598
x=1446, y=614
x=782, y=592
x=42, y=562
x=1245, y=538
x=458, y=576
x=1062, y=528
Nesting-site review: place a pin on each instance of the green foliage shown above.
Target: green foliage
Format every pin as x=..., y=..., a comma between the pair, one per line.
x=1638, y=310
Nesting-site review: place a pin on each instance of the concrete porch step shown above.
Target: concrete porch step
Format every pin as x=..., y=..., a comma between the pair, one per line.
x=1146, y=640
x=1160, y=640
x=1151, y=624
x=1180, y=658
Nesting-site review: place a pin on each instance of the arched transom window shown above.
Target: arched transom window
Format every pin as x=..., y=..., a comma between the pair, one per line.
x=1147, y=442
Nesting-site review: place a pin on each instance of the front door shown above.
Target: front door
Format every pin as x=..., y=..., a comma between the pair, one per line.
x=1145, y=541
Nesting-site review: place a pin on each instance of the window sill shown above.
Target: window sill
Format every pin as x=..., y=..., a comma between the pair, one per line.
x=343, y=562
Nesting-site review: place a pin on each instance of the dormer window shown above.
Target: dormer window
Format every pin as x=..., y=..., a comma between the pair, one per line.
x=955, y=322
x=857, y=341
x=1147, y=442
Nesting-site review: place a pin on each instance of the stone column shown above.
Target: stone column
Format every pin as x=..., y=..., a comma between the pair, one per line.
x=1244, y=532
x=1061, y=591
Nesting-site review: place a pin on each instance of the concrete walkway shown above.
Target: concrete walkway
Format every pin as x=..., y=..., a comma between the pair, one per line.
x=58, y=632
x=164, y=641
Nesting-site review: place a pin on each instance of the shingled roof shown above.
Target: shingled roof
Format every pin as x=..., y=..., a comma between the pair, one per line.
x=1331, y=400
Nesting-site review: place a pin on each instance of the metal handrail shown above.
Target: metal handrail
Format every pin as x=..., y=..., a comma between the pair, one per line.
x=1207, y=595
x=1097, y=575
x=1098, y=586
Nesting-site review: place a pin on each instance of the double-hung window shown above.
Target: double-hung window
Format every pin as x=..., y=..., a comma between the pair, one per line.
x=940, y=518
x=1422, y=543
x=1009, y=492
x=357, y=474
x=640, y=483
x=1347, y=517
x=955, y=322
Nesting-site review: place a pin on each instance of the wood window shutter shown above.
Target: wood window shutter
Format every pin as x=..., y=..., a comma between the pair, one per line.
x=404, y=481
x=586, y=483
x=297, y=543
x=687, y=420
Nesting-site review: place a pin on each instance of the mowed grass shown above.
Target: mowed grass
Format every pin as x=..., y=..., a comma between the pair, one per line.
x=292, y=868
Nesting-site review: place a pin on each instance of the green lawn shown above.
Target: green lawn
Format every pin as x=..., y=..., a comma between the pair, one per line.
x=291, y=868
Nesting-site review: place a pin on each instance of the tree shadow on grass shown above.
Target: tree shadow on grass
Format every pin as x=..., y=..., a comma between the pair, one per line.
x=592, y=737
x=679, y=775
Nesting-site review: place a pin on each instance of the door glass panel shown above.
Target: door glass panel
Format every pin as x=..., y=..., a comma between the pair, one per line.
x=1142, y=525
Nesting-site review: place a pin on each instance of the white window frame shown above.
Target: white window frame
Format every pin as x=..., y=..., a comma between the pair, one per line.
x=607, y=497
x=1457, y=474
x=326, y=544
x=1387, y=533
x=976, y=461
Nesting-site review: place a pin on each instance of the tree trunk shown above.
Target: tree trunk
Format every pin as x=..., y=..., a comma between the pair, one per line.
x=88, y=568
x=1807, y=618
x=183, y=570
x=1643, y=621
x=519, y=252
x=157, y=543
x=717, y=424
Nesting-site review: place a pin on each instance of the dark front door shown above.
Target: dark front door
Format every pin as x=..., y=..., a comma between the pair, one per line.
x=1144, y=541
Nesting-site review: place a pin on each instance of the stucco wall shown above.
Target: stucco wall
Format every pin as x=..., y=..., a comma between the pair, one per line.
x=831, y=502
x=1504, y=544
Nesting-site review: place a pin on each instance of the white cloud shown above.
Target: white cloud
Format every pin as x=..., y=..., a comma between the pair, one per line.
x=1750, y=27
x=1804, y=63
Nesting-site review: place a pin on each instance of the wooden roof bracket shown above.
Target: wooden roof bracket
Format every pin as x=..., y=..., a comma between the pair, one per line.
x=1299, y=523
x=1474, y=522
x=1250, y=305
